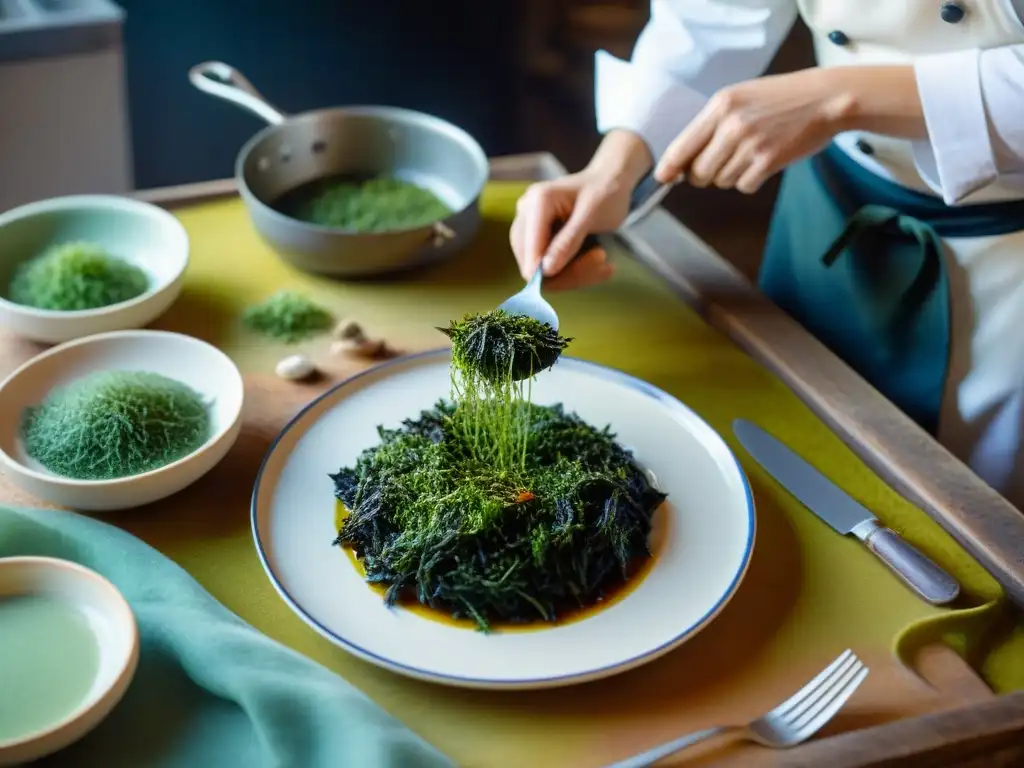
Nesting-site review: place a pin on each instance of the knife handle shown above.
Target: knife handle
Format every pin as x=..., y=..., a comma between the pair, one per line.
x=924, y=577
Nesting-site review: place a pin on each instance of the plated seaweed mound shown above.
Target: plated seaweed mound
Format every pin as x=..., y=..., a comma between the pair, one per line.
x=492, y=508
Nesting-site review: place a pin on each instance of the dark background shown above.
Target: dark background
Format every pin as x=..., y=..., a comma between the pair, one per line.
x=452, y=58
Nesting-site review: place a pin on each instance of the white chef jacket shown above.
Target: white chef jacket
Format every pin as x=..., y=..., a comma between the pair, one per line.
x=968, y=58
x=973, y=97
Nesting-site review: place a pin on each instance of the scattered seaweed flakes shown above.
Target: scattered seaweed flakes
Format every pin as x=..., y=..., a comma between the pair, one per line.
x=434, y=524
x=76, y=276
x=498, y=345
x=114, y=424
x=288, y=316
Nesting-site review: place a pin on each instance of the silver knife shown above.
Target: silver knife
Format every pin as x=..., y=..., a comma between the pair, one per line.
x=644, y=203
x=839, y=510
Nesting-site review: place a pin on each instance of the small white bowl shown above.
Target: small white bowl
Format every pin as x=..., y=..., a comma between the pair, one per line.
x=117, y=639
x=142, y=234
x=201, y=366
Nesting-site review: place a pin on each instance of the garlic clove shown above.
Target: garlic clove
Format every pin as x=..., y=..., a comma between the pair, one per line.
x=295, y=368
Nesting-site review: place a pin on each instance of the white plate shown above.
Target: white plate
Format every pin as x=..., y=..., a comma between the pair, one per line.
x=704, y=534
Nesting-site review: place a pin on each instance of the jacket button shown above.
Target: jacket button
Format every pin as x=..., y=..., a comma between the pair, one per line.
x=864, y=147
x=952, y=13
x=839, y=37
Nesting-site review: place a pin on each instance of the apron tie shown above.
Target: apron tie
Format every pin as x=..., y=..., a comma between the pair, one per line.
x=871, y=220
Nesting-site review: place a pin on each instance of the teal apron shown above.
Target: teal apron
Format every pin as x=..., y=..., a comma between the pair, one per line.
x=858, y=261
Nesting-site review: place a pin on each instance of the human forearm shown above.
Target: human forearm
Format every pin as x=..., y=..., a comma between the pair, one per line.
x=623, y=156
x=750, y=131
x=686, y=52
x=879, y=99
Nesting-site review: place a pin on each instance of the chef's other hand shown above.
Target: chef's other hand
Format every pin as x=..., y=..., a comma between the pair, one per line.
x=552, y=220
x=749, y=131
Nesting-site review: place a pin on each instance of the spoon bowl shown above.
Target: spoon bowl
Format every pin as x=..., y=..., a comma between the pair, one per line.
x=529, y=302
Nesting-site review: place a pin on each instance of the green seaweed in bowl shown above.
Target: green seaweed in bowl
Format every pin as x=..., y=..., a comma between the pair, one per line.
x=112, y=424
x=75, y=276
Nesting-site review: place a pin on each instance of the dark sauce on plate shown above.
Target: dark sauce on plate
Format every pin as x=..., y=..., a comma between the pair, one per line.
x=614, y=594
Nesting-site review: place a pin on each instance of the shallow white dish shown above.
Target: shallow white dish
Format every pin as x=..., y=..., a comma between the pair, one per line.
x=703, y=538
x=113, y=627
x=140, y=233
x=194, y=362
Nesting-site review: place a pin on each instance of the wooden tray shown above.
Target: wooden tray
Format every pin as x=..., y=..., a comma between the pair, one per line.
x=990, y=730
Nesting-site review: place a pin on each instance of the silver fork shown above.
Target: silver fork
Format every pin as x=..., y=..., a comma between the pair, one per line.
x=795, y=720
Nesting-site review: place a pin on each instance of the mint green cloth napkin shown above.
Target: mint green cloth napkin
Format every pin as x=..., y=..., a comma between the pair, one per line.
x=210, y=691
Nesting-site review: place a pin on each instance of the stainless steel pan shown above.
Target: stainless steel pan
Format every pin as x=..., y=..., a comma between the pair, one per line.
x=361, y=140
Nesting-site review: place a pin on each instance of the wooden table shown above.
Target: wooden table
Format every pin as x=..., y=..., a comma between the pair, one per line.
x=910, y=460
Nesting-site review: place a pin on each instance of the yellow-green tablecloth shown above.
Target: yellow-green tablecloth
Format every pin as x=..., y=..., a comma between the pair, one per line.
x=808, y=594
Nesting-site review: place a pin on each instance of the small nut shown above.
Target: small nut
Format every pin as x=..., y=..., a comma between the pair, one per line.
x=348, y=330
x=295, y=368
x=373, y=349
x=361, y=347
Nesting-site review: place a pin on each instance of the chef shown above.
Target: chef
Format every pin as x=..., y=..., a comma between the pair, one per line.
x=898, y=234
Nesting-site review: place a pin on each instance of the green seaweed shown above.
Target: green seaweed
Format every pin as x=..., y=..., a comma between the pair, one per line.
x=497, y=346
x=76, y=276
x=493, y=508
x=288, y=316
x=377, y=204
x=114, y=424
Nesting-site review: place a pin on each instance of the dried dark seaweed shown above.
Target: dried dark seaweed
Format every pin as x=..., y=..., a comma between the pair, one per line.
x=492, y=508
x=497, y=345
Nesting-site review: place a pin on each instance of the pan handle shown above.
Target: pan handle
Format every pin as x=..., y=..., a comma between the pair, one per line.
x=225, y=82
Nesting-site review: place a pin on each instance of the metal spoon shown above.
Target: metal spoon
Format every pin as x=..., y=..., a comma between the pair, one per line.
x=529, y=301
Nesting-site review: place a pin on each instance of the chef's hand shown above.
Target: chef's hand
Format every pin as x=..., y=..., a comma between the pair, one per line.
x=749, y=131
x=594, y=200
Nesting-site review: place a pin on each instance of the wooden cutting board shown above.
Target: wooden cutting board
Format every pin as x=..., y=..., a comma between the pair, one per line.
x=891, y=692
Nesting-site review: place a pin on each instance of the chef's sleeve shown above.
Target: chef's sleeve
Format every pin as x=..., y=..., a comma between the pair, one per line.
x=687, y=51
x=973, y=103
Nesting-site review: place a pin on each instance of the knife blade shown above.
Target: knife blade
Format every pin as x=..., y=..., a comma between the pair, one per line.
x=645, y=199
x=845, y=515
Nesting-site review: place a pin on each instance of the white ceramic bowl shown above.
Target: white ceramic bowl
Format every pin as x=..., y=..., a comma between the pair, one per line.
x=112, y=625
x=141, y=234
x=199, y=365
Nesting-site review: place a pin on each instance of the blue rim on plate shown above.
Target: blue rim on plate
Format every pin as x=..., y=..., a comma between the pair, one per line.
x=422, y=674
